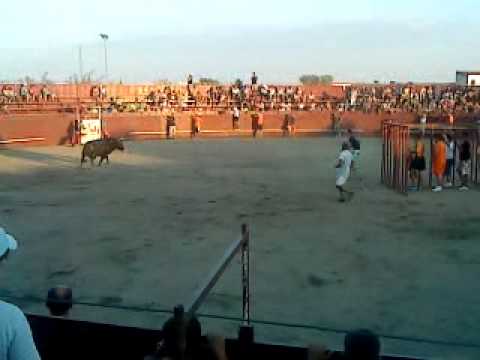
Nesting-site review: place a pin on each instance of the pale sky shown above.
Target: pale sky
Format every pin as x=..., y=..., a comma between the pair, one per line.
x=354, y=40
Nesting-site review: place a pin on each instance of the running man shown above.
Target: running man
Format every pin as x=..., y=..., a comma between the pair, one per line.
x=439, y=162
x=343, y=165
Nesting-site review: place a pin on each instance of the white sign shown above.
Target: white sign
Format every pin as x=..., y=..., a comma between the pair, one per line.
x=90, y=129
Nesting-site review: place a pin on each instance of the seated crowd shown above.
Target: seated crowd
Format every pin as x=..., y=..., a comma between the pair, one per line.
x=413, y=98
x=367, y=98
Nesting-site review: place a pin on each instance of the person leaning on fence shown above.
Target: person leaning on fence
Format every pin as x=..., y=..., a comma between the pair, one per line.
x=235, y=118
x=450, y=144
x=16, y=341
x=196, y=123
x=171, y=125
x=465, y=157
x=439, y=162
x=418, y=163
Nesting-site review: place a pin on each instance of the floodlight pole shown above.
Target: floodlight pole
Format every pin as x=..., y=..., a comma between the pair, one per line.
x=105, y=38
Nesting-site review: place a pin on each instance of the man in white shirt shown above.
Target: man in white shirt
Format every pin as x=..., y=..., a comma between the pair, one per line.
x=344, y=163
x=16, y=342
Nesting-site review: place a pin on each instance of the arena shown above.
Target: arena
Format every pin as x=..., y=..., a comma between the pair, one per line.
x=143, y=232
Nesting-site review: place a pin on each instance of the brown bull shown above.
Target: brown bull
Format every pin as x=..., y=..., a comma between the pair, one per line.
x=101, y=148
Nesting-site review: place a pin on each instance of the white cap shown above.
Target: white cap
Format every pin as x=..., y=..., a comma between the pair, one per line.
x=7, y=242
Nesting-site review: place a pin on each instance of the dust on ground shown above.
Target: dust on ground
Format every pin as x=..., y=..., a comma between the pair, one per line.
x=145, y=230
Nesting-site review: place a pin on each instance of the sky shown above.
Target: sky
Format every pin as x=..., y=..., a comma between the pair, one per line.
x=149, y=40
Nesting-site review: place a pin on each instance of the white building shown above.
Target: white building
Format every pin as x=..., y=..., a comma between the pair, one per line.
x=468, y=78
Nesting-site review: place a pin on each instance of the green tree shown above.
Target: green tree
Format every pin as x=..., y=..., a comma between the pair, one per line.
x=310, y=79
x=208, y=81
x=326, y=79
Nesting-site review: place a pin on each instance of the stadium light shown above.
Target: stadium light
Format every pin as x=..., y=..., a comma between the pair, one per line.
x=105, y=38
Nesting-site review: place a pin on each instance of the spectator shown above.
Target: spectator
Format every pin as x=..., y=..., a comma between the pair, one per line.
x=235, y=118
x=361, y=345
x=196, y=123
x=182, y=339
x=439, y=162
x=464, y=167
x=16, y=342
x=450, y=144
x=171, y=125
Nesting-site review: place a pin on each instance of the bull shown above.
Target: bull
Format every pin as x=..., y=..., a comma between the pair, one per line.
x=100, y=148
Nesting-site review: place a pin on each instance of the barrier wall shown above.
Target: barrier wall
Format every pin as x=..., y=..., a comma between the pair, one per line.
x=56, y=128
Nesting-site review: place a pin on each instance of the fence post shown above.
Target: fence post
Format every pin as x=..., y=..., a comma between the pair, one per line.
x=246, y=274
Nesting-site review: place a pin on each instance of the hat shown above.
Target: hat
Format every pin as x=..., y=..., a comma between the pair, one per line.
x=7, y=242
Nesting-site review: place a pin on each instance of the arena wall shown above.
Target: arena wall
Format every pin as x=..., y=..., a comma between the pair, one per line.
x=56, y=128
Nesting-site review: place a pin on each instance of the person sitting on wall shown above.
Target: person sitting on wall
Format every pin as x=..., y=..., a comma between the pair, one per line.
x=171, y=125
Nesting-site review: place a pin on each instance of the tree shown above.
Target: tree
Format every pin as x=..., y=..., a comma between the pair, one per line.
x=326, y=79
x=238, y=83
x=310, y=79
x=208, y=81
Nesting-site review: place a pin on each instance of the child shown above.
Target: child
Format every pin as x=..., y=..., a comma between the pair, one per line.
x=355, y=146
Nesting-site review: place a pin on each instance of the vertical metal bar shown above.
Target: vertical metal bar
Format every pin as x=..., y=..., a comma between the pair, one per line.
x=387, y=155
x=472, y=150
x=382, y=170
x=476, y=155
x=246, y=274
x=454, y=157
x=431, y=158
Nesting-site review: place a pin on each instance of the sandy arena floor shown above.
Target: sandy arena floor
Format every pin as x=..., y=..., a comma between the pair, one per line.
x=145, y=230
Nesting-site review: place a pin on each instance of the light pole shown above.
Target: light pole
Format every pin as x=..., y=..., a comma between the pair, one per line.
x=105, y=38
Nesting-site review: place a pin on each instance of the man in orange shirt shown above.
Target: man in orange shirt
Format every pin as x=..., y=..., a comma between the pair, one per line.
x=439, y=161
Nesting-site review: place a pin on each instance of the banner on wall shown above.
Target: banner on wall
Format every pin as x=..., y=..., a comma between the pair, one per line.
x=90, y=129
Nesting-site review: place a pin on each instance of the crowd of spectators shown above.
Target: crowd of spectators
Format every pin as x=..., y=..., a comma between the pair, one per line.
x=366, y=98
x=26, y=94
x=412, y=98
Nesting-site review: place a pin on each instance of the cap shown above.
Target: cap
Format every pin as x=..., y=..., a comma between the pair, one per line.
x=7, y=242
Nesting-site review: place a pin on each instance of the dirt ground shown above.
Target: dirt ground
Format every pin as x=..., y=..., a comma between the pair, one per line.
x=145, y=230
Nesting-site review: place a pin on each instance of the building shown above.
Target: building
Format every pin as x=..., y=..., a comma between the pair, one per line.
x=468, y=78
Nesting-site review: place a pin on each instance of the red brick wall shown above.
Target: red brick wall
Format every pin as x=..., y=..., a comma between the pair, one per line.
x=56, y=127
